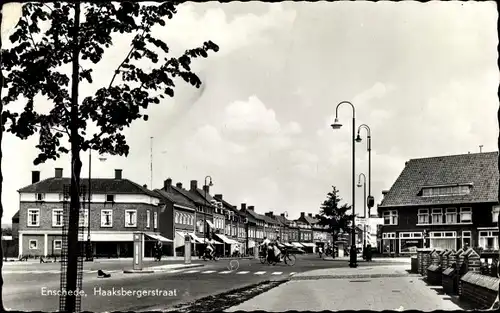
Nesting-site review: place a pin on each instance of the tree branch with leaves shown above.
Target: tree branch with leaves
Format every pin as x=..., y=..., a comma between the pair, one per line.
x=334, y=216
x=50, y=38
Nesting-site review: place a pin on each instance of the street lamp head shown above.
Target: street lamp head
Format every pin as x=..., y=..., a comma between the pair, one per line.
x=358, y=138
x=210, y=184
x=359, y=184
x=336, y=124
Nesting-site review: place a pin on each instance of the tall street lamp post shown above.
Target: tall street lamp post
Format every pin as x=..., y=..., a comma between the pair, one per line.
x=364, y=193
x=371, y=200
x=208, y=182
x=337, y=125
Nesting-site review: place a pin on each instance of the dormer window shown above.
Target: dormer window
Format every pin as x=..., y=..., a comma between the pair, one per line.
x=455, y=190
x=39, y=196
x=110, y=198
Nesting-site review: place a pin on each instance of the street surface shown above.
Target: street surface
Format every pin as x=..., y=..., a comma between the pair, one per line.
x=23, y=282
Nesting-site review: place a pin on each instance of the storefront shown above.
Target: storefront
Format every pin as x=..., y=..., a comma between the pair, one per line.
x=389, y=243
x=443, y=240
x=409, y=242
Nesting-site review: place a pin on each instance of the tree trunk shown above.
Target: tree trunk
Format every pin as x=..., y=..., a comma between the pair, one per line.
x=1, y=184
x=74, y=250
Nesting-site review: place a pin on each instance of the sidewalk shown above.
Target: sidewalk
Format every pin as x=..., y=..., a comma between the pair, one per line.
x=374, y=260
x=376, y=288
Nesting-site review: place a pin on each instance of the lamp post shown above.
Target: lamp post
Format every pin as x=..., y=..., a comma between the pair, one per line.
x=209, y=178
x=337, y=125
x=371, y=200
x=364, y=193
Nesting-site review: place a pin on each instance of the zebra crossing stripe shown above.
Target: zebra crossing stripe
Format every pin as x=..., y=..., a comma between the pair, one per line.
x=225, y=272
x=277, y=273
x=259, y=273
x=208, y=272
x=192, y=271
x=243, y=272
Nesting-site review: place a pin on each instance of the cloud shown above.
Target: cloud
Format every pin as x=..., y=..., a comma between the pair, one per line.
x=251, y=116
x=11, y=13
x=243, y=30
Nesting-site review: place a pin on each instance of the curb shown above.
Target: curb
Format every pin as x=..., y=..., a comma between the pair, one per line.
x=312, y=277
x=150, y=270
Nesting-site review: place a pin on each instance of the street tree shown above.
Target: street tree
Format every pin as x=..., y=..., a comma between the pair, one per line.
x=333, y=215
x=55, y=48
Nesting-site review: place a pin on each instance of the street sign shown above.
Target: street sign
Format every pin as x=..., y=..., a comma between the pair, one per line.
x=370, y=201
x=360, y=220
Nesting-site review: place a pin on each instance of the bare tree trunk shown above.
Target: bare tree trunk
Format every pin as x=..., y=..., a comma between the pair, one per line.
x=76, y=167
x=2, y=309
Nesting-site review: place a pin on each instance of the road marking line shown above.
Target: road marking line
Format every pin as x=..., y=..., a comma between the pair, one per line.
x=176, y=271
x=293, y=273
x=244, y=272
x=277, y=273
x=208, y=272
x=91, y=271
x=225, y=272
x=192, y=271
x=259, y=273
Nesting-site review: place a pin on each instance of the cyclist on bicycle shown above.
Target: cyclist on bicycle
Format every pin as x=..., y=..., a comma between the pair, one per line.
x=278, y=248
x=265, y=246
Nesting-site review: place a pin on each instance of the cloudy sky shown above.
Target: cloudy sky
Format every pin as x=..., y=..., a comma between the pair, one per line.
x=424, y=77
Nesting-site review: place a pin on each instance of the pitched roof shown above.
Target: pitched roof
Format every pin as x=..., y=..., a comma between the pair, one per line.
x=478, y=169
x=175, y=197
x=255, y=215
x=281, y=219
x=98, y=185
x=16, y=216
x=311, y=220
x=190, y=195
x=268, y=219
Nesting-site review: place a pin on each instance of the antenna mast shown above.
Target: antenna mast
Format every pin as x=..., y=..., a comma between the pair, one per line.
x=480, y=148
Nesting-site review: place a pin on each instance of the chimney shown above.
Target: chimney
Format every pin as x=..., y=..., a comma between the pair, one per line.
x=118, y=174
x=251, y=207
x=302, y=214
x=35, y=177
x=145, y=186
x=384, y=192
x=282, y=214
x=194, y=185
x=271, y=214
x=406, y=163
x=243, y=207
x=58, y=172
x=178, y=185
x=167, y=183
x=310, y=215
x=218, y=197
x=206, y=189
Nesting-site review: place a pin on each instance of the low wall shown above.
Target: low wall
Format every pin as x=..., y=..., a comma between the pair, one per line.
x=479, y=289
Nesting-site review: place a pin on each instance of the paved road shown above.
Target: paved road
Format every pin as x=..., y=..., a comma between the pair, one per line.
x=23, y=291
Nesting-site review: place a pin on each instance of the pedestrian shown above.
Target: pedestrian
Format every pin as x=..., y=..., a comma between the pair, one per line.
x=368, y=252
x=159, y=250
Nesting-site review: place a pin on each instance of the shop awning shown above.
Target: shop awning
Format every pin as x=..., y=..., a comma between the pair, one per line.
x=210, y=224
x=251, y=244
x=308, y=244
x=214, y=242
x=6, y=238
x=227, y=240
x=179, y=238
x=297, y=245
x=196, y=238
x=158, y=237
x=289, y=245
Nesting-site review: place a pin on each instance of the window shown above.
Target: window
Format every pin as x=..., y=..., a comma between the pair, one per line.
x=110, y=198
x=446, y=191
x=33, y=244
x=57, y=218
x=106, y=218
x=33, y=217
x=130, y=218
x=84, y=218
x=155, y=219
x=63, y=197
x=148, y=218
x=423, y=216
x=466, y=238
x=39, y=196
x=488, y=240
x=57, y=244
x=465, y=215
x=494, y=211
x=390, y=217
x=451, y=215
x=437, y=216
x=176, y=218
x=443, y=240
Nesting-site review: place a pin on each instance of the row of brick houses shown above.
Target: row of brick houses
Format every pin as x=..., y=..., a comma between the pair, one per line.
x=119, y=207
x=445, y=202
